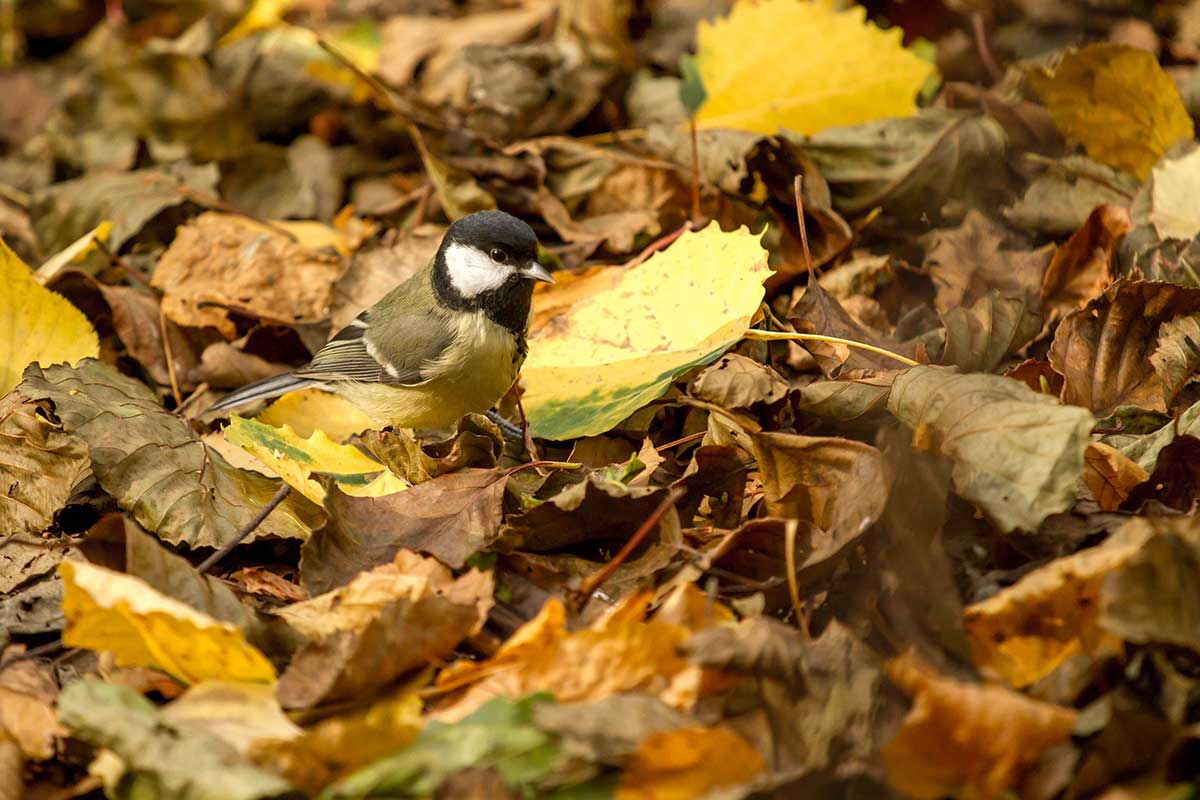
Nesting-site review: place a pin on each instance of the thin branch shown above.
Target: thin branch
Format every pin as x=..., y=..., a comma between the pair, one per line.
x=262, y=514
x=778, y=336
x=598, y=578
x=985, y=54
x=169, y=355
x=797, y=185
x=129, y=270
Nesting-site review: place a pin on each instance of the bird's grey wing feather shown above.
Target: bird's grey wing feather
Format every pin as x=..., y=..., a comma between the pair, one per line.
x=351, y=355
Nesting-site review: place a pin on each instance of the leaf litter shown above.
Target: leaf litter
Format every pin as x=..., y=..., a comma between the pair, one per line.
x=863, y=414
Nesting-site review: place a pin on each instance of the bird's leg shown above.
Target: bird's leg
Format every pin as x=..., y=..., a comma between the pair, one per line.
x=509, y=430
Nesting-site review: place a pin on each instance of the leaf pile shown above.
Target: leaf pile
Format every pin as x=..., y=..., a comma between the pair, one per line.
x=863, y=413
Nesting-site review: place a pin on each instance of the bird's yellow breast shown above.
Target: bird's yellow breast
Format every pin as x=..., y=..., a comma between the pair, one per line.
x=473, y=373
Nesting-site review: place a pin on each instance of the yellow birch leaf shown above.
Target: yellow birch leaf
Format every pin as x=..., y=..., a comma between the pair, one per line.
x=686, y=763
x=296, y=459
x=311, y=410
x=124, y=615
x=1117, y=102
x=804, y=66
x=36, y=324
x=607, y=353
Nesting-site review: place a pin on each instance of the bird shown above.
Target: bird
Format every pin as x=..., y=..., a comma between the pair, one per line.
x=448, y=341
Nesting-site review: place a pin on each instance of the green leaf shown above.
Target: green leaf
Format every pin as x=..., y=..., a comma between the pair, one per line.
x=691, y=89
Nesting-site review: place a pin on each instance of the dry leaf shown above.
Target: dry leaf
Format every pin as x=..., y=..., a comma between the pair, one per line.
x=1110, y=475
x=1084, y=265
x=686, y=763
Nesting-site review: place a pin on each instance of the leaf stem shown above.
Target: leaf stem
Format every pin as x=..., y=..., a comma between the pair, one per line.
x=777, y=336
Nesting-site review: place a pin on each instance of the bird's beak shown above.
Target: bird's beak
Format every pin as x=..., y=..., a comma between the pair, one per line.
x=536, y=272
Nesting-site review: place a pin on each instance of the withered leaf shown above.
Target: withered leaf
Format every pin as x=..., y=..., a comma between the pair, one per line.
x=735, y=381
x=155, y=466
x=979, y=337
x=1085, y=263
x=1118, y=350
x=451, y=517
x=1110, y=475
x=39, y=465
x=817, y=311
x=1175, y=481
x=1016, y=453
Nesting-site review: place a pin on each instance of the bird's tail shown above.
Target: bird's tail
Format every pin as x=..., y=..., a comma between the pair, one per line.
x=261, y=390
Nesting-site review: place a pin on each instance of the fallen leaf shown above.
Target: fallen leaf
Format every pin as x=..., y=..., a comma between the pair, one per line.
x=451, y=517
x=806, y=95
x=239, y=714
x=310, y=410
x=965, y=740
x=219, y=263
x=615, y=351
x=40, y=464
x=977, y=257
x=477, y=442
x=619, y=653
x=155, y=466
x=157, y=756
x=817, y=311
x=1083, y=266
x=261, y=581
x=382, y=624
x=1175, y=481
x=298, y=460
x=735, y=381
x=980, y=336
x=1122, y=349
x=1060, y=200
x=688, y=762
x=108, y=611
x=1117, y=102
x=1110, y=475
x=1173, y=182
x=1016, y=453
x=27, y=718
x=41, y=326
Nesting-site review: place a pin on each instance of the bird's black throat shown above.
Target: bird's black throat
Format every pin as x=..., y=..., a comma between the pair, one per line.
x=507, y=305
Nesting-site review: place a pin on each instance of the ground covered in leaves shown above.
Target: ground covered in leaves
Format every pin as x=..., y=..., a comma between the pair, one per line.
x=863, y=423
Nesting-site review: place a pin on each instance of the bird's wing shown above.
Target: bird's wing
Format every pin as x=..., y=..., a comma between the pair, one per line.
x=352, y=355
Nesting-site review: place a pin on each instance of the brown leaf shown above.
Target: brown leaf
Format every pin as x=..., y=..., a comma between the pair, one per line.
x=818, y=312
x=1110, y=475
x=978, y=256
x=1114, y=352
x=1037, y=375
x=735, y=381
x=382, y=624
x=262, y=581
x=1175, y=480
x=40, y=463
x=451, y=517
x=220, y=261
x=27, y=693
x=476, y=443
x=1084, y=265
x=965, y=740
x=979, y=337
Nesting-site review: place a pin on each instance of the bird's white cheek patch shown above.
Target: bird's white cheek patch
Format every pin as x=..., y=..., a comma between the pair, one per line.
x=472, y=272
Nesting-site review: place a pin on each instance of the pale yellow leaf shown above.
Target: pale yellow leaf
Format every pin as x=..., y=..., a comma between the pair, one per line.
x=297, y=459
x=1175, y=187
x=1117, y=102
x=110, y=611
x=36, y=324
x=607, y=353
x=804, y=66
x=310, y=410
x=74, y=253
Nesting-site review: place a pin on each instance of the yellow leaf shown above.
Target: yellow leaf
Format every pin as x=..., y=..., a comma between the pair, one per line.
x=1117, y=102
x=1026, y=630
x=686, y=763
x=311, y=410
x=261, y=15
x=964, y=740
x=111, y=611
x=74, y=253
x=607, y=353
x=296, y=459
x=36, y=324
x=804, y=66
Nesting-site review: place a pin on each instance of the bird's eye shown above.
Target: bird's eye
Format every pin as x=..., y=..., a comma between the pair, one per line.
x=499, y=256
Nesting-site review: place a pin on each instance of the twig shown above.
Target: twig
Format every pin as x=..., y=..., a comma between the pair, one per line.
x=530, y=445
x=129, y=270
x=191, y=398
x=659, y=244
x=985, y=54
x=789, y=554
x=797, y=185
x=166, y=340
x=613, y=137
x=683, y=440
x=228, y=547
x=598, y=578
x=777, y=336
x=33, y=652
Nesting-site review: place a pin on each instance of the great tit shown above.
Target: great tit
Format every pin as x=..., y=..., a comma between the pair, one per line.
x=446, y=342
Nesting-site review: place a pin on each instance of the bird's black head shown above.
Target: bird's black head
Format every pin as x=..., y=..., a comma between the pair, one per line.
x=488, y=261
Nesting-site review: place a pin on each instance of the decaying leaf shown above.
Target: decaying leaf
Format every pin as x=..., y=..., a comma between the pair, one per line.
x=806, y=95
x=384, y=623
x=40, y=464
x=1084, y=265
x=1128, y=346
x=40, y=326
x=979, y=337
x=1117, y=102
x=963, y=740
x=152, y=462
x=1016, y=453
x=617, y=350
x=1110, y=475
x=111, y=612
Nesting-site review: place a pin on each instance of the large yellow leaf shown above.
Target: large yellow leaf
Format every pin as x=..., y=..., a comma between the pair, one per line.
x=1117, y=102
x=311, y=410
x=108, y=610
x=36, y=324
x=607, y=353
x=297, y=459
x=803, y=66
